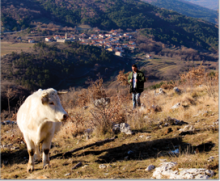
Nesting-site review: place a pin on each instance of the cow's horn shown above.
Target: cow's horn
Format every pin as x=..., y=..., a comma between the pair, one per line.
x=60, y=93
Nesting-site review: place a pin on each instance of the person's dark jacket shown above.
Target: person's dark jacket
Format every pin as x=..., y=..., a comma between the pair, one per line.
x=140, y=81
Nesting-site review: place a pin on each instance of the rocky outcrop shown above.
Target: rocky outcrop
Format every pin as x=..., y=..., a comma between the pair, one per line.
x=123, y=128
x=102, y=102
x=166, y=171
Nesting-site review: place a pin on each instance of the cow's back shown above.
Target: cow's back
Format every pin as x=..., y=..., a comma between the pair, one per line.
x=27, y=113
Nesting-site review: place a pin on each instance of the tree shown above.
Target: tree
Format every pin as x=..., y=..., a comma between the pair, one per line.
x=10, y=94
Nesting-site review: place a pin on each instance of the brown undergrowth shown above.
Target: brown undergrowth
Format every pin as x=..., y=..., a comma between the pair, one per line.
x=150, y=143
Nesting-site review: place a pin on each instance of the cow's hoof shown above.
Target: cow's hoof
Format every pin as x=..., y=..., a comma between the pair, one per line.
x=30, y=168
x=47, y=166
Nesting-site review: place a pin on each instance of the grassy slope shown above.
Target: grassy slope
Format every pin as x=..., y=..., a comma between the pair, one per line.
x=8, y=47
x=188, y=9
x=147, y=151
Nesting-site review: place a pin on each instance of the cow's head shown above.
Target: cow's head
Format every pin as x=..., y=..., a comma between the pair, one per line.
x=52, y=105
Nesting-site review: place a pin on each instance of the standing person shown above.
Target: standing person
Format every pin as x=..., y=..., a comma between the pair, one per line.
x=136, y=80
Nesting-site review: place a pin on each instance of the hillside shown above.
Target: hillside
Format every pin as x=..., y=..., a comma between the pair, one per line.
x=60, y=66
x=211, y=4
x=188, y=9
x=172, y=27
x=187, y=135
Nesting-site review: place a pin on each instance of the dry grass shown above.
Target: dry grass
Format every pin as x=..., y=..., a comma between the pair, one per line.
x=8, y=47
x=198, y=108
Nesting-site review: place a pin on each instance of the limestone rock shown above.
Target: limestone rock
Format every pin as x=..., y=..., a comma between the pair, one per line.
x=149, y=168
x=176, y=89
x=102, y=102
x=123, y=127
x=165, y=170
x=187, y=128
x=102, y=166
x=176, y=106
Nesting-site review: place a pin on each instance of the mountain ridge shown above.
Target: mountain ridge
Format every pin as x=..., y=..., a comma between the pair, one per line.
x=116, y=14
x=187, y=8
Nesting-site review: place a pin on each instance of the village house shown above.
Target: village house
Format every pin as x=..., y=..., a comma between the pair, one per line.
x=148, y=56
x=61, y=40
x=48, y=39
x=110, y=49
x=125, y=45
x=83, y=40
x=83, y=35
x=108, y=35
x=55, y=37
x=131, y=47
x=132, y=43
x=101, y=36
x=118, y=53
x=97, y=30
x=30, y=41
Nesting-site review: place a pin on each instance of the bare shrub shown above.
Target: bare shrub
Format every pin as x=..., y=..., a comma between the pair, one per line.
x=123, y=78
x=104, y=115
x=168, y=85
x=199, y=76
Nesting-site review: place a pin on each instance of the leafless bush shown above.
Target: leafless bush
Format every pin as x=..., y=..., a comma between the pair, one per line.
x=123, y=78
x=106, y=114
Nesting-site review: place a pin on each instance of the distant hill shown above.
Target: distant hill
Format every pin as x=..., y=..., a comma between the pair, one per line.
x=163, y=25
x=60, y=66
x=211, y=4
x=186, y=8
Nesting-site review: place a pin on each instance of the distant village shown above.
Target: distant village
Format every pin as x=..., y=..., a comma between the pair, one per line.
x=113, y=41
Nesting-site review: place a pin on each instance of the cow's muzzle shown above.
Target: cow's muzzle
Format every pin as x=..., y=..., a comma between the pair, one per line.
x=65, y=116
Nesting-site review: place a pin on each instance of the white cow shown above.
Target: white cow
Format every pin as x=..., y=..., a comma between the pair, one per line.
x=39, y=118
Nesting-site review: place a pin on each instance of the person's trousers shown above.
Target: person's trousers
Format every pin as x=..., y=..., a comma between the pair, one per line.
x=136, y=99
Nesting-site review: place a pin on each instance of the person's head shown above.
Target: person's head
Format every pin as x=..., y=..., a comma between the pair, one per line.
x=134, y=68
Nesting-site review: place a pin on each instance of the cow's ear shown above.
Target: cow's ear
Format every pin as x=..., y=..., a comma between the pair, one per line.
x=44, y=99
x=60, y=93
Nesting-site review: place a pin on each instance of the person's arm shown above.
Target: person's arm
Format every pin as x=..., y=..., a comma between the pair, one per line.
x=129, y=78
x=142, y=78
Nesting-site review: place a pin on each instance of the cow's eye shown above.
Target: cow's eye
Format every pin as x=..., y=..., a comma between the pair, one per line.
x=51, y=103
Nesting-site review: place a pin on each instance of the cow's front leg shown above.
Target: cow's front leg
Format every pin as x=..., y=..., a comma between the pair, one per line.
x=30, y=166
x=37, y=157
x=30, y=148
x=46, y=159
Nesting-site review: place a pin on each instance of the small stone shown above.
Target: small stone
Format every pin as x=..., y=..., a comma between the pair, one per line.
x=77, y=165
x=67, y=174
x=149, y=168
x=126, y=158
x=148, y=137
x=15, y=148
x=176, y=106
x=109, y=166
x=211, y=158
x=209, y=173
x=102, y=166
x=167, y=131
x=85, y=166
x=130, y=152
x=141, y=136
x=85, y=107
